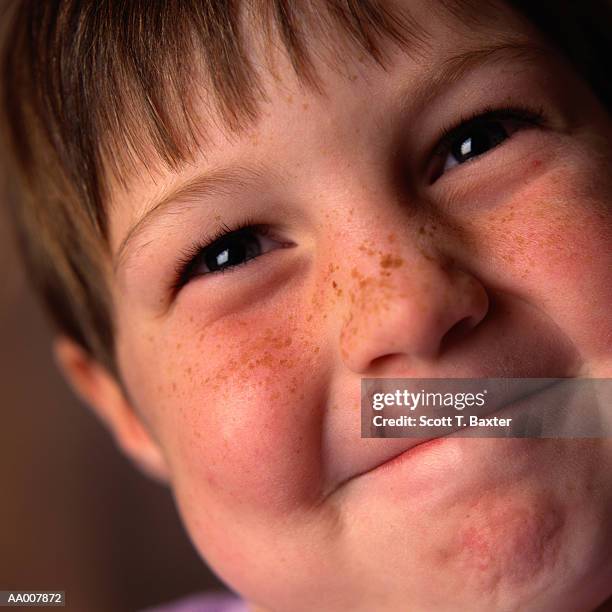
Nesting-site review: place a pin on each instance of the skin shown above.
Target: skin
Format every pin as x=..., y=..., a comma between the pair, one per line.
x=244, y=387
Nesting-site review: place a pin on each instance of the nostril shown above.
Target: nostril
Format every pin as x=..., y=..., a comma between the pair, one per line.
x=456, y=333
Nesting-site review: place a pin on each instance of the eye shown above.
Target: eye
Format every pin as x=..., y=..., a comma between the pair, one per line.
x=478, y=139
x=224, y=252
x=475, y=137
x=231, y=250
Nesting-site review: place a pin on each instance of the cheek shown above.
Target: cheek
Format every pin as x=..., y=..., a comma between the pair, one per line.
x=239, y=409
x=552, y=245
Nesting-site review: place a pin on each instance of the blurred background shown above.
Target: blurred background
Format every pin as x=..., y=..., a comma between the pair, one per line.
x=74, y=514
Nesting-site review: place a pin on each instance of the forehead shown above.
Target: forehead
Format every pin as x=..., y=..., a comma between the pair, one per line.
x=440, y=35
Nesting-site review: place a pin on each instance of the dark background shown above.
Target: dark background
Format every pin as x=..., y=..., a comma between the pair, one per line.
x=74, y=514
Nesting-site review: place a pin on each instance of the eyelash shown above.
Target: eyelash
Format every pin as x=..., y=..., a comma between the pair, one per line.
x=522, y=114
x=188, y=257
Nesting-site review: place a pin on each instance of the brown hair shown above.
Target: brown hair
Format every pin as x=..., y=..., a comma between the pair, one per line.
x=89, y=86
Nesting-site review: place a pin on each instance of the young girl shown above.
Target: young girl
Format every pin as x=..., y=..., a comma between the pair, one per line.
x=237, y=211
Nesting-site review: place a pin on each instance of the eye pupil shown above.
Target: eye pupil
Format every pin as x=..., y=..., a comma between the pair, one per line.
x=478, y=139
x=232, y=250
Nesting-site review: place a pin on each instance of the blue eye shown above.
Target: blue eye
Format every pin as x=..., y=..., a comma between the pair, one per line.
x=480, y=134
x=227, y=250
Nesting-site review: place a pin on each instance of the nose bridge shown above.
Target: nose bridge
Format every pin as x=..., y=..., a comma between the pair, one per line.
x=402, y=295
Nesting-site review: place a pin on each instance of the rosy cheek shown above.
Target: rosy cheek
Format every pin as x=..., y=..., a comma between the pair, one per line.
x=550, y=242
x=243, y=406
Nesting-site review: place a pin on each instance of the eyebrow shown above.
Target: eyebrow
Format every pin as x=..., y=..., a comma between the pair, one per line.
x=209, y=183
x=222, y=180
x=453, y=68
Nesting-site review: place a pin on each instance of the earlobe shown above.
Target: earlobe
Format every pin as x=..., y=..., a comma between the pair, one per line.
x=97, y=388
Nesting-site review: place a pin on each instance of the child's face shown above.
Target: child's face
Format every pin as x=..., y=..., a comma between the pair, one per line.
x=374, y=256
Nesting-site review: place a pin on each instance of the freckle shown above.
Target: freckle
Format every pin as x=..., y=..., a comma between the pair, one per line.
x=178, y=345
x=388, y=261
x=334, y=284
x=305, y=106
x=174, y=386
x=316, y=349
x=309, y=318
x=290, y=99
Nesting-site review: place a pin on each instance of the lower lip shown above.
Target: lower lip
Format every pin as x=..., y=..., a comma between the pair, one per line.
x=412, y=453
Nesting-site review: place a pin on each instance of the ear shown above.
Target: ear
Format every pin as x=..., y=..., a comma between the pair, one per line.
x=103, y=394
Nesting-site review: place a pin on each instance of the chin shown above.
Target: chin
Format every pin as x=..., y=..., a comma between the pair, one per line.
x=489, y=524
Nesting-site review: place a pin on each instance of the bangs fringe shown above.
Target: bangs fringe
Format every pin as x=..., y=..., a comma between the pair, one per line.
x=106, y=101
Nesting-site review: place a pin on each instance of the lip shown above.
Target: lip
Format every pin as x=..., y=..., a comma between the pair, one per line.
x=409, y=453
x=418, y=446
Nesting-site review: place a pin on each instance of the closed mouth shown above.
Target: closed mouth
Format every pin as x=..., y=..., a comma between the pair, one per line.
x=424, y=444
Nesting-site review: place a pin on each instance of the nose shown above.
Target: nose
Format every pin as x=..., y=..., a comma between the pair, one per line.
x=414, y=306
